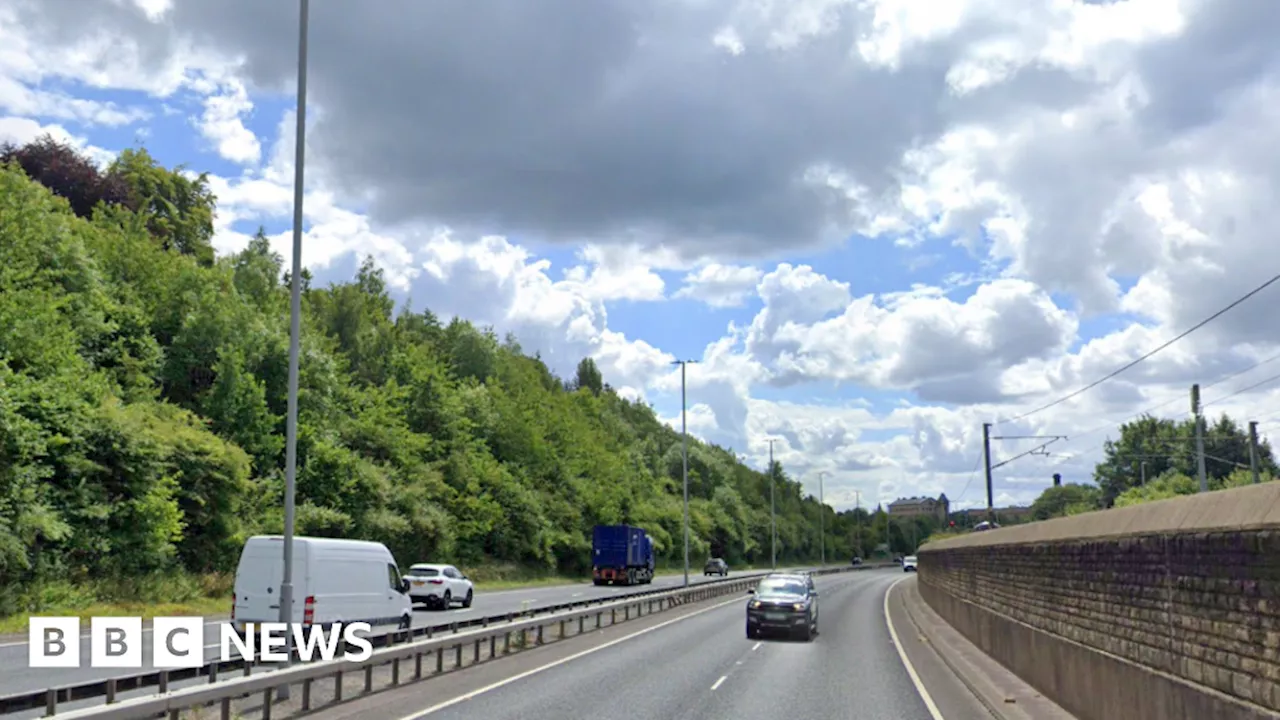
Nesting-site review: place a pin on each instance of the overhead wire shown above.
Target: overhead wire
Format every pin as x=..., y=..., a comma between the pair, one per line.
x=1145, y=356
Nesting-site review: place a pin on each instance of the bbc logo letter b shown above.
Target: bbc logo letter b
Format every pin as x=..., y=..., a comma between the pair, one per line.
x=115, y=642
x=53, y=642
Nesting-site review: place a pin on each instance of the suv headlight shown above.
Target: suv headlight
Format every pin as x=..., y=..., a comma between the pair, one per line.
x=798, y=607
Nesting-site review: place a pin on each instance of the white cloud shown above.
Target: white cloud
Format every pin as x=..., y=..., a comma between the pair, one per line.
x=1086, y=159
x=721, y=286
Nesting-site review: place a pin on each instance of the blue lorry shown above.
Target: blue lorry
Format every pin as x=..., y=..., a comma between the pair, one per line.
x=621, y=555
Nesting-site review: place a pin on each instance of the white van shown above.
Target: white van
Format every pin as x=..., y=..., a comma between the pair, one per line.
x=333, y=581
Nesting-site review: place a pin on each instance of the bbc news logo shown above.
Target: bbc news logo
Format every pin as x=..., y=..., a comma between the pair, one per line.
x=179, y=642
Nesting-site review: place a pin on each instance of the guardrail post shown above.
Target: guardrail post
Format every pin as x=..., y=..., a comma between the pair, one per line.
x=582, y=622
x=506, y=643
x=598, y=616
x=225, y=710
x=539, y=634
x=417, y=666
x=164, y=681
x=454, y=627
x=51, y=702
x=613, y=616
x=368, y=679
x=457, y=656
x=213, y=672
x=395, y=671
x=266, y=703
x=439, y=660
x=306, y=694
x=493, y=646
x=337, y=686
x=561, y=630
x=476, y=657
x=111, y=690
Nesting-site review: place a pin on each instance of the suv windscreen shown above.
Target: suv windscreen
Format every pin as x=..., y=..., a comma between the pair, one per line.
x=782, y=587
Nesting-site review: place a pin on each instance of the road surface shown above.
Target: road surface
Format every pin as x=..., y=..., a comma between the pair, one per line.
x=703, y=667
x=17, y=677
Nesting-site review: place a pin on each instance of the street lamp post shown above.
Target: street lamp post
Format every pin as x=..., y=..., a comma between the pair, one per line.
x=822, y=518
x=295, y=332
x=684, y=450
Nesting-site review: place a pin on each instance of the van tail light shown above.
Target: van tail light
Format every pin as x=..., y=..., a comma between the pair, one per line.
x=309, y=610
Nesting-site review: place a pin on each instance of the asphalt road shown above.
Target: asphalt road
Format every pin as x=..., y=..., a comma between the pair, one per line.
x=703, y=668
x=17, y=677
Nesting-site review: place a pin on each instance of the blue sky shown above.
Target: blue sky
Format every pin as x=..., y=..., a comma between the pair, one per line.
x=1095, y=240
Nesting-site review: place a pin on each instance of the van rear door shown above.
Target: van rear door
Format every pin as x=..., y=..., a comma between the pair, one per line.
x=258, y=579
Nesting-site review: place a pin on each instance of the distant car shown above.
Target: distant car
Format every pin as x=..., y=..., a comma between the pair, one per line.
x=785, y=603
x=439, y=586
x=909, y=563
x=856, y=561
x=716, y=566
x=985, y=525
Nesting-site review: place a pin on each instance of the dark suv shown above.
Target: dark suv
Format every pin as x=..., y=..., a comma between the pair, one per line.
x=784, y=603
x=716, y=566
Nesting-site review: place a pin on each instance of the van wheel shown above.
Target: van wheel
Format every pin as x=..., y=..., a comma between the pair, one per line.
x=406, y=622
x=448, y=600
x=467, y=603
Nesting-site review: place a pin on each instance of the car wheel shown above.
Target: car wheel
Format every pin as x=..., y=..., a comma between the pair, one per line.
x=807, y=634
x=467, y=603
x=752, y=634
x=447, y=602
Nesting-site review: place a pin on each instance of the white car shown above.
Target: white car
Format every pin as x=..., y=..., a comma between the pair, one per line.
x=439, y=586
x=908, y=564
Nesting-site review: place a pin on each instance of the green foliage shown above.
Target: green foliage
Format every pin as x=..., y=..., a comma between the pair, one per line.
x=1162, y=451
x=1061, y=500
x=143, y=394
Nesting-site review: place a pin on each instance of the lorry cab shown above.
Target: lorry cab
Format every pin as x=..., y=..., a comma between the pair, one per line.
x=334, y=580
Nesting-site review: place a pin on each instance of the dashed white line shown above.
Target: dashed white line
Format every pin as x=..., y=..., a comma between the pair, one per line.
x=534, y=671
x=906, y=662
x=719, y=682
x=756, y=646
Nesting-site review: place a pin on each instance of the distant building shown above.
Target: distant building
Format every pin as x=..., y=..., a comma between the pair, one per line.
x=938, y=507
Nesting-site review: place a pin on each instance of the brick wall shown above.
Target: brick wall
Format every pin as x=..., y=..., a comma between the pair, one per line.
x=1178, y=601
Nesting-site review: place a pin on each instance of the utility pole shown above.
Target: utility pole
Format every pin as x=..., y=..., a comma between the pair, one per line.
x=1195, y=410
x=684, y=449
x=822, y=518
x=295, y=332
x=986, y=461
x=1142, y=466
x=1253, y=451
x=773, y=518
x=987, y=437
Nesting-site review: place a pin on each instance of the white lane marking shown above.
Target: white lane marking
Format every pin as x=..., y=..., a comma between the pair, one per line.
x=534, y=671
x=902, y=654
x=756, y=646
x=576, y=595
x=719, y=682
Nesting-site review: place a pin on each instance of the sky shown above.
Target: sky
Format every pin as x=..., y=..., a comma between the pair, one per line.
x=874, y=224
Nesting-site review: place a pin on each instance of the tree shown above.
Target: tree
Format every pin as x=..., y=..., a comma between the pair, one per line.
x=1069, y=499
x=69, y=174
x=589, y=376
x=1166, y=445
